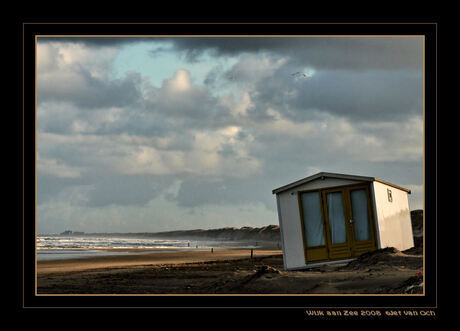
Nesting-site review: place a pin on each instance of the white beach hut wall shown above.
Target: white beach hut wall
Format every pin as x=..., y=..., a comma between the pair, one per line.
x=332, y=218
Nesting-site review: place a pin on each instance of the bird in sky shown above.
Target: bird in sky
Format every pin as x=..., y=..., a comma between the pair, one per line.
x=299, y=74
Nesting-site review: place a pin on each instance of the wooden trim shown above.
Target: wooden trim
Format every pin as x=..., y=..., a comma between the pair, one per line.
x=315, y=247
x=372, y=220
x=283, y=245
x=323, y=219
x=350, y=230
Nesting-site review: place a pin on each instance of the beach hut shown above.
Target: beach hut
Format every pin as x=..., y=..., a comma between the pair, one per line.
x=333, y=218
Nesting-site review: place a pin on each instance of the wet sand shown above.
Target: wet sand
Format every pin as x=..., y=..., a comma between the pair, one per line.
x=228, y=271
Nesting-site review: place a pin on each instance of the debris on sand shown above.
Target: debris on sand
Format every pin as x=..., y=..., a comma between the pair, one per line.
x=413, y=285
x=386, y=257
x=371, y=258
x=267, y=269
x=417, y=249
x=237, y=284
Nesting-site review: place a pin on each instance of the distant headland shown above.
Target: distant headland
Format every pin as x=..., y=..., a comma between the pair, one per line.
x=265, y=233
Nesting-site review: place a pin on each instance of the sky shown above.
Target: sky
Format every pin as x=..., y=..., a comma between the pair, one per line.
x=168, y=133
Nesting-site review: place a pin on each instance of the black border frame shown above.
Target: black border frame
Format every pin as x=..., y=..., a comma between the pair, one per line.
x=297, y=304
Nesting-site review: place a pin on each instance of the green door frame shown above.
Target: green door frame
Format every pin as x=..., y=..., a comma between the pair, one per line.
x=351, y=248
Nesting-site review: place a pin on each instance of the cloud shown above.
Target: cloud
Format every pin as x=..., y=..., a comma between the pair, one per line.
x=180, y=82
x=177, y=97
x=84, y=90
x=58, y=169
x=361, y=96
x=253, y=68
x=355, y=53
x=125, y=153
x=81, y=76
x=213, y=153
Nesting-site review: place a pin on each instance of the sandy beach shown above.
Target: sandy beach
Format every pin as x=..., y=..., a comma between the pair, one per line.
x=229, y=271
x=141, y=257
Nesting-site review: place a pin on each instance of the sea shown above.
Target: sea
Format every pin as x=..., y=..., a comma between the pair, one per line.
x=58, y=247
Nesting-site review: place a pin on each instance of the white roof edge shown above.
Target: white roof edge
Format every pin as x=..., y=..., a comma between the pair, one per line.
x=333, y=175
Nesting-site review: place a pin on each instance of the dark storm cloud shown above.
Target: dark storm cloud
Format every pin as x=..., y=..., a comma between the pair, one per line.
x=95, y=41
x=326, y=53
x=359, y=53
x=370, y=95
x=357, y=94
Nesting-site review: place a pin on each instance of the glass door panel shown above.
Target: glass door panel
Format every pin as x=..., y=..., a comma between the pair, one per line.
x=311, y=208
x=336, y=217
x=360, y=214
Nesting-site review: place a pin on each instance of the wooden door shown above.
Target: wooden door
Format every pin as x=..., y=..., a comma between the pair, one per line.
x=337, y=226
x=337, y=223
x=362, y=231
x=313, y=226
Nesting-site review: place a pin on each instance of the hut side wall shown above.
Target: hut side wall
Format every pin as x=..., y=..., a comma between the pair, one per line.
x=393, y=218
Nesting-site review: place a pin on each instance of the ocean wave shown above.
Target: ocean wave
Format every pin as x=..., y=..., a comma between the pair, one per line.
x=47, y=242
